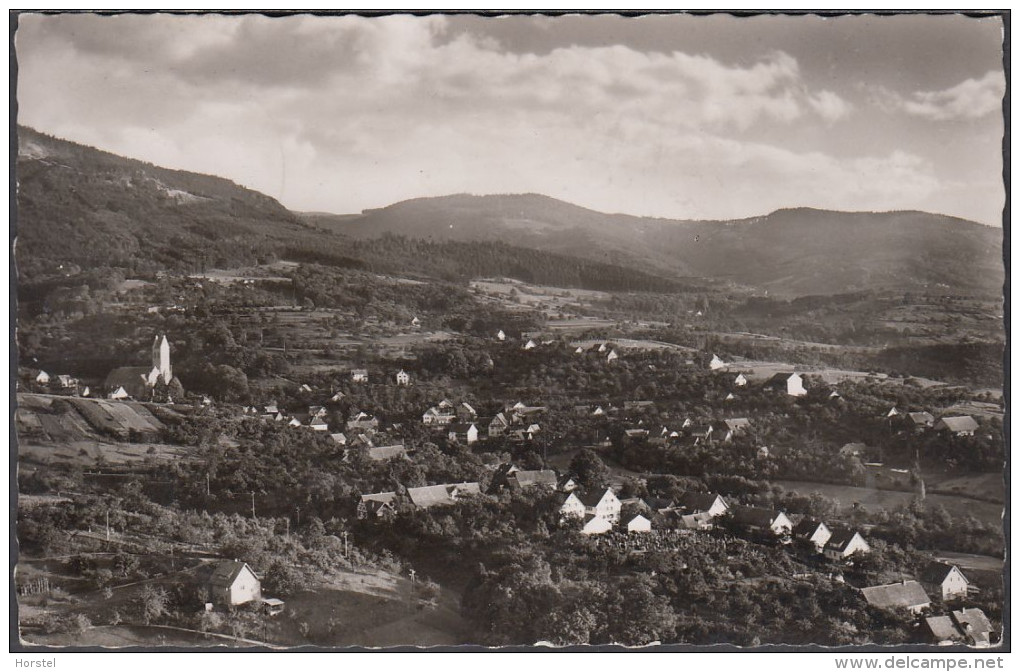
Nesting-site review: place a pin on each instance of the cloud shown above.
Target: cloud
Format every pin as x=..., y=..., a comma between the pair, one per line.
x=345, y=113
x=970, y=99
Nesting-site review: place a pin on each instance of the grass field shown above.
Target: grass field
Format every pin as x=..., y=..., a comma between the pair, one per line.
x=874, y=500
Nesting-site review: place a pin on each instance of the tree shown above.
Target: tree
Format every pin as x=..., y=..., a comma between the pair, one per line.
x=152, y=602
x=589, y=469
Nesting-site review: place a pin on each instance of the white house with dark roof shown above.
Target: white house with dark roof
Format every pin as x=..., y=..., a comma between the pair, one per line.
x=403, y=377
x=790, y=384
x=814, y=531
x=844, y=543
x=233, y=582
x=572, y=506
x=944, y=581
x=604, y=504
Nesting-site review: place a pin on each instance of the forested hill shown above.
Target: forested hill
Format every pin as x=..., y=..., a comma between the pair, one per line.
x=793, y=251
x=81, y=206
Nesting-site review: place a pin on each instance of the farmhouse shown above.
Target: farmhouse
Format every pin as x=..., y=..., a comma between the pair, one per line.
x=439, y=415
x=961, y=425
x=903, y=595
x=233, y=582
x=975, y=626
x=603, y=505
x=787, y=383
x=463, y=432
x=942, y=630
x=844, y=543
x=702, y=502
x=339, y=438
x=318, y=424
x=66, y=382
x=572, y=506
x=639, y=524
x=441, y=495
x=944, y=581
x=362, y=421
x=761, y=520
x=814, y=531
x=377, y=505
x=921, y=420
x=736, y=427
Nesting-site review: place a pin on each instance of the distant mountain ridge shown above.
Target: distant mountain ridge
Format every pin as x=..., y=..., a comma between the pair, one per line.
x=792, y=251
x=91, y=208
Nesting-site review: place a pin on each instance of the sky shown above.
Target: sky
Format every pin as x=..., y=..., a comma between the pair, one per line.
x=679, y=116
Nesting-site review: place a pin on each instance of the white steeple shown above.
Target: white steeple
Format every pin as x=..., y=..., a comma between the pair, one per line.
x=161, y=358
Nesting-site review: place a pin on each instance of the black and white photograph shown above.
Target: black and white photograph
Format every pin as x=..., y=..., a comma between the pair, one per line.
x=494, y=331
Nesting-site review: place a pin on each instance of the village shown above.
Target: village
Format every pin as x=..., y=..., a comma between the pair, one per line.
x=687, y=462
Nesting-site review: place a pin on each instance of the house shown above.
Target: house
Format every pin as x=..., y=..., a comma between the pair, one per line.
x=893, y=412
x=844, y=543
x=702, y=502
x=362, y=421
x=441, y=495
x=530, y=345
x=438, y=415
x=740, y=380
x=305, y=388
x=466, y=412
x=639, y=524
x=337, y=397
x=834, y=395
x=86, y=392
x=67, y=382
x=975, y=626
x=639, y=405
x=961, y=425
x=922, y=420
x=716, y=363
x=762, y=453
x=903, y=595
x=761, y=520
x=43, y=378
x=119, y=393
x=499, y=425
x=377, y=505
x=612, y=356
x=359, y=375
x=500, y=335
x=339, y=438
x=944, y=581
x=736, y=427
x=787, y=383
x=572, y=506
x=701, y=434
x=415, y=322
x=730, y=397
x=696, y=521
x=543, y=478
x=294, y=422
x=463, y=432
x=603, y=504
x=814, y=531
x=233, y=582
x=636, y=433
x=594, y=524
x=317, y=412
x=579, y=350
x=318, y=424
x=941, y=630
x=403, y=378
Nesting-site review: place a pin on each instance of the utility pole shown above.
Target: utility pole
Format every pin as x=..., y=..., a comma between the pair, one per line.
x=207, y=490
x=108, y=524
x=253, y=504
x=346, y=554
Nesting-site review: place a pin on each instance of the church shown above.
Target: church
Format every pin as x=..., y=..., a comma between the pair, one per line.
x=143, y=383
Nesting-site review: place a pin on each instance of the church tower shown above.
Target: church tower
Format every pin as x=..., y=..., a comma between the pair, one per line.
x=161, y=358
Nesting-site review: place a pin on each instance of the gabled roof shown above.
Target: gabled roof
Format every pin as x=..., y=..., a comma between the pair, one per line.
x=840, y=539
x=737, y=424
x=943, y=628
x=592, y=499
x=499, y=419
x=226, y=572
x=937, y=572
x=387, y=452
x=525, y=479
x=384, y=497
x=921, y=418
x=359, y=372
x=468, y=407
x=461, y=427
x=975, y=618
x=958, y=423
x=698, y=501
x=750, y=515
x=441, y=495
x=807, y=527
x=896, y=595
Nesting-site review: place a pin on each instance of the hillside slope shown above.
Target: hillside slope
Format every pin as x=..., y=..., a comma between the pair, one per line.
x=82, y=206
x=793, y=251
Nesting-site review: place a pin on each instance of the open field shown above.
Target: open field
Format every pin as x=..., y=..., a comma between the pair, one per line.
x=69, y=419
x=979, y=486
x=873, y=500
